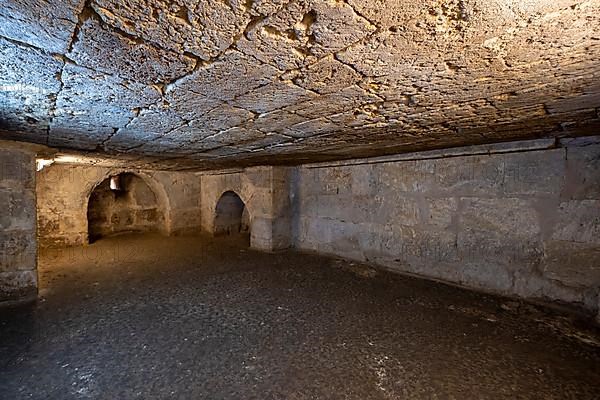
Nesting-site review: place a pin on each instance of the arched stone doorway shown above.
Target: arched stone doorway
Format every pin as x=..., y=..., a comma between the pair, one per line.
x=231, y=215
x=123, y=203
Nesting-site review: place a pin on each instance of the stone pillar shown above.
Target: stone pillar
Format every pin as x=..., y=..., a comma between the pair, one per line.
x=272, y=222
x=18, y=242
x=265, y=191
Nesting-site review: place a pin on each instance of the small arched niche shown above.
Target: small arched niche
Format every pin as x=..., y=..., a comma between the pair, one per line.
x=231, y=215
x=123, y=203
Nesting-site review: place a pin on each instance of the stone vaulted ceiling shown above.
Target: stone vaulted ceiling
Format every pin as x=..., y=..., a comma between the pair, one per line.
x=217, y=83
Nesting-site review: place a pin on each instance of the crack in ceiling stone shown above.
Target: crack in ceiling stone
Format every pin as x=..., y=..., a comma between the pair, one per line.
x=215, y=84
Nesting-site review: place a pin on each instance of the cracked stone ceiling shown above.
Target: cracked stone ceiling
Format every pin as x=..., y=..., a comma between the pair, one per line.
x=220, y=83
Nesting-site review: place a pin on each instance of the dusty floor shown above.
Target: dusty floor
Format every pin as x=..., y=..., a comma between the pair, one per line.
x=189, y=318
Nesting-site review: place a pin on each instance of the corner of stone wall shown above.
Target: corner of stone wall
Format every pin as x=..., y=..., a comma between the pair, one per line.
x=268, y=189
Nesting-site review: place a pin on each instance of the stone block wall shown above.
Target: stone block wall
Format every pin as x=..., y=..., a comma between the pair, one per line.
x=517, y=219
x=265, y=192
x=64, y=190
x=18, y=246
x=134, y=207
x=523, y=223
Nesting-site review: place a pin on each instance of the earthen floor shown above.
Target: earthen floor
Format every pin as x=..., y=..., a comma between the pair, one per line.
x=197, y=318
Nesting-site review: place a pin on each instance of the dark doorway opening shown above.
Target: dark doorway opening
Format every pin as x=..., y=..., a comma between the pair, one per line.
x=231, y=216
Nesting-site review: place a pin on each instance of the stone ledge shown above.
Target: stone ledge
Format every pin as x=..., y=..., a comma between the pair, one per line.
x=484, y=149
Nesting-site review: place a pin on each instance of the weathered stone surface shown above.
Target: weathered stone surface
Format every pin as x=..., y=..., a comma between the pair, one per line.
x=327, y=76
x=150, y=124
x=205, y=29
x=46, y=25
x=265, y=192
x=490, y=275
x=409, y=176
x=508, y=216
x=134, y=208
x=578, y=221
x=97, y=104
x=583, y=173
x=477, y=175
x=304, y=31
x=18, y=241
x=105, y=50
x=574, y=264
x=521, y=173
x=17, y=212
x=28, y=83
x=324, y=79
x=232, y=75
x=18, y=286
x=522, y=221
x=273, y=96
x=442, y=212
x=63, y=193
x=16, y=169
x=18, y=248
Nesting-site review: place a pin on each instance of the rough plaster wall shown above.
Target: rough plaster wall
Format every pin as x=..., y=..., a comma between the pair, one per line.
x=18, y=244
x=63, y=192
x=265, y=192
x=134, y=208
x=525, y=224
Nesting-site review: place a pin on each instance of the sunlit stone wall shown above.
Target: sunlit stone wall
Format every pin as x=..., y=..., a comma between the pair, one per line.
x=265, y=192
x=64, y=191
